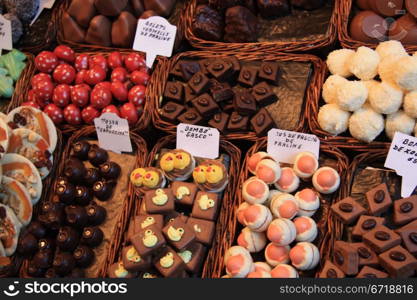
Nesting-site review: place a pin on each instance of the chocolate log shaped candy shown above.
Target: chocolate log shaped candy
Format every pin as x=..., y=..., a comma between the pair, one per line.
x=99, y=31
x=72, y=31
x=82, y=11
x=110, y=8
x=123, y=30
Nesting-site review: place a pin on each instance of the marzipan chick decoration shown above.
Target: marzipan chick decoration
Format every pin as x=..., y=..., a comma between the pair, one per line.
x=175, y=234
x=177, y=165
x=133, y=255
x=167, y=261
x=205, y=202
x=211, y=176
x=160, y=197
x=148, y=222
x=147, y=178
x=150, y=239
x=121, y=272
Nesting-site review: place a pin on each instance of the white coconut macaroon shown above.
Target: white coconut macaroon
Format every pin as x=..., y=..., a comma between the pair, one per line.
x=333, y=119
x=366, y=124
x=405, y=73
x=331, y=86
x=410, y=104
x=385, y=98
x=386, y=68
x=399, y=121
x=364, y=63
x=389, y=48
x=352, y=95
x=338, y=62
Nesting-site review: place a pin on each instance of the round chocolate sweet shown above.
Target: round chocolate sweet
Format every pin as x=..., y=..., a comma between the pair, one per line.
x=76, y=273
x=331, y=273
x=346, y=207
x=83, y=256
x=397, y=256
x=50, y=273
x=97, y=156
x=103, y=190
x=46, y=244
x=413, y=237
x=63, y=263
x=92, y=175
x=369, y=224
x=406, y=207
x=27, y=244
x=404, y=29
x=43, y=259
x=66, y=193
x=338, y=258
x=67, y=239
x=411, y=6
x=96, y=214
x=83, y=195
x=80, y=149
x=379, y=196
x=387, y=8
x=92, y=236
x=34, y=271
x=363, y=4
x=75, y=170
x=110, y=170
x=37, y=229
x=368, y=27
x=382, y=236
x=53, y=220
x=76, y=216
x=364, y=253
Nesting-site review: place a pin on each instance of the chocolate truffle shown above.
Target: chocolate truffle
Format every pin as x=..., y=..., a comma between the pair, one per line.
x=76, y=273
x=247, y=76
x=348, y=210
x=46, y=244
x=72, y=31
x=148, y=240
x=219, y=121
x=405, y=210
x=110, y=8
x=174, y=91
x=51, y=273
x=43, y=259
x=76, y=216
x=366, y=224
x=191, y=116
x=368, y=27
x=273, y=8
x=381, y=239
x=208, y=23
x=123, y=30
x=80, y=150
x=161, y=7
x=369, y=272
x=378, y=199
x=97, y=156
x=82, y=11
x=346, y=258
x=110, y=170
x=63, y=263
x=67, y=239
x=92, y=236
x=34, y=271
x=330, y=270
x=99, y=32
x=84, y=256
x=398, y=262
x=171, y=110
x=159, y=201
x=66, y=192
x=204, y=230
x=83, y=195
x=262, y=122
x=193, y=257
x=103, y=190
x=27, y=244
x=96, y=214
x=205, y=105
x=75, y=170
x=206, y=206
x=91, y=176
x=133, y=262
x=178, y=234
x=169, y=263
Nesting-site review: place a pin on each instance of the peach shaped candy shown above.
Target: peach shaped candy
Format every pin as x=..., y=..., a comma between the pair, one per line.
x=276, y=254
x=305, y=164
x=257, y=217
x=255, y=191
x=261, y=265
x=284, y=271
x=251, y=240
x=268, y=170
x=254, y=160
x=306, y=229
x=284, y=206
x=238, y=262
x=326, y=180
x=288, y=182
x=240, y=212
x=259, y=274
x=281, y=232
x=304, y=256
x=308, y=202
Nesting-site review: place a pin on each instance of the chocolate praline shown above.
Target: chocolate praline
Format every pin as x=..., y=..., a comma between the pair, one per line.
x=83, y=195
x=27, y=244
x=43, y=259
x=66, y=192
x=83, y=256
x=92, y=236
x=404, y=29
x=110, y=170
x=97, y=156
x=96, y=214
x=103, y=190
x=92, y=175
x=368, y=27
x=37, y=229
x=76, y=216
x=75, y=170
x=80, y=149
x=67, y=239
x=63, y=263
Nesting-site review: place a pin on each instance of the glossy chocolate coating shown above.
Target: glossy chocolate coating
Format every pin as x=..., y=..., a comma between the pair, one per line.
x=27, y=244
x=92, y=236
x=66, y=193
x=137, y=7
x=83, y=256
x=96, y=214
x=72, y=31
x=162, y=7
x=67, y=239
x=110, y=170
x=411, y=6
x=208, y=23
x=123, y=30
x=147, y=14
x=80, y=149
x=404, y=29
x=76, y=216
x=386, y=8
x=97, y=156
x=34, y=271
x=91, y=176
x=83, y=195
x=368, y=27
x=75, y=170
x=103, y=190
x=37, y=229
x=110, y=8
x=82, y=11
x=46, y=244
x=99, y=32
x=43, y=259
x=63, y=263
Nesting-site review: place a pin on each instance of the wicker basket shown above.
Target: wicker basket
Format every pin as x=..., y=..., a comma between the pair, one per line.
x=271, y=47
x=344, y=17
x=221, y=240
x=175, y=19
x=67, y=129
x=17, y=259
x=325, y=225
x=311, y=95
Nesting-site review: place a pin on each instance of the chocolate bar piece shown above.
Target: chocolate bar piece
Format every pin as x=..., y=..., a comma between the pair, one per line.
x=269, y=71
x=366, y=224
x=148, y=240
x=170, y=111
x=199, y=83
x=219, y=121
x=174, y=91
x=346, y=258
x=348, y=210
x=159, y=201
x=381, y=239
x=378, y=199
x=169, y=263
x=367, y=257
x=191, y=116
x=330, y=270
x=405, y=210
x=204, y=230
x=263, y=94
x=178, y=234
x=205, y=105
x=206, y=206
x=244, y=103
x=398, y=262
x=184, y=192
x=237, y=122
x=369, y=272
x=262, y=122
x=247, y=76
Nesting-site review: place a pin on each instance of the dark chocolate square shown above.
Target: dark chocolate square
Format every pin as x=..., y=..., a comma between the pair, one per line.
x=381, y=239
x=159, y=201
x=204, y=63
x=227, y=106
x=144, y=221
x=220, y=69
x=405, y=210
x=234, y=62
x=330, y=270
x=178, y=234
x=369, y=272
x=262, y=122
x=398, y=262
x=263, y=94
x=237, y=122
x=409, y=237
x=244, y=103
x=348, y=210
x=205, y=105
x=221, y=91
x=170, y=111
x=219, y=121
x=199, y=83
x=133, y=262
x=184, y=192
x=176, y=71
x=193, y=257
x=206, y=206
x=174, y=91
x=204, y=230
x=378, y=199
x=269, y=71
x=189, y=94
x=247, y=76
x=346, y=258
x=366, y=224
x=173, y=215
x=169, y=263
x=191, y=116
x=367, y=257
x=148, y=240
x=189, y=68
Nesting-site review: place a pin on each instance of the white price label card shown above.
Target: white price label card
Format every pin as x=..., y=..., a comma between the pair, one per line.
x=284, y=145
x=154, y=36
x=200, y=141
x=113, y=133
x=42, y=5
x=402, y=157
x=5, y=34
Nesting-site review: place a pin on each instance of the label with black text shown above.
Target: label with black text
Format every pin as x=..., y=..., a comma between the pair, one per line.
x=113, y=133
x=198, y=140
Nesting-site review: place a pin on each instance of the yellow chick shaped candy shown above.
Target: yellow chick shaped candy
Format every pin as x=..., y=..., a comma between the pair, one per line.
x=214, y=174
x=205, y=202
x=160, y=197
x=133, y=255
x=136, y=177
x=199, y=174
x=151, y=179
x=147, y=222
x=150, y=239
x=175, y=234
x=182, y=160
x=167, y=162
x=167, y=261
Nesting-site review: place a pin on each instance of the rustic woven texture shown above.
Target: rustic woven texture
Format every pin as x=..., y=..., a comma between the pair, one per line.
x=312, y=94
x=325, y=225
x=271, y=47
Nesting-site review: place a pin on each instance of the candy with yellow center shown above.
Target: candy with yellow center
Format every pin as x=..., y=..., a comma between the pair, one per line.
x=160, y=197
x=121, y=272
x=167, y=162
x=205, y=202
x=214, y=174
x=182, y=160
x=136, y=177
x=148, y=222
x=150, y=239
x=175, y=234
x=199, y=174
x=167, y=261
x=151, y=179
x=133, y=255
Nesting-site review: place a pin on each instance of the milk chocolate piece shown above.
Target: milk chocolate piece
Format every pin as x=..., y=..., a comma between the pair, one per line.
x=199, y=83
x=404, y=29
x=138, y=8
x=220, y=69
x=204, y=230
x=411, y=7
x=191, y=116
x=368, y=27
x=387, y=8
x=270, y=72
x=159, y=201
x=221, y=91
x=170, y=111
x=367, y=257
x=99, y=32
x=219, y=121
x=110, y=8
x=237, y=122
x=346, y=258
x=208, y=23
x=72, y=31
x=330, y=270
x=178, y=234
x=184, y=192
x=247, y=76
x=378, y=199
x=263, y=94
x=262, y=122
x=273, y=8
x=244, y=103
x=148, y=240
x=143, y=221
x=369, y=272
x=169, y=263
x=133, y=262
x=189, y=68
x=189, y=94
x=205, y=105
x=193, y=257
x=82, y=11
x=348, y=210
x=398, y=262
x=206, y=206
x=174, y=91
x=162, y=7
x=366, y=224
x=409, y=238
x=123, y=30
x=381, y=239
x=405, y=210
